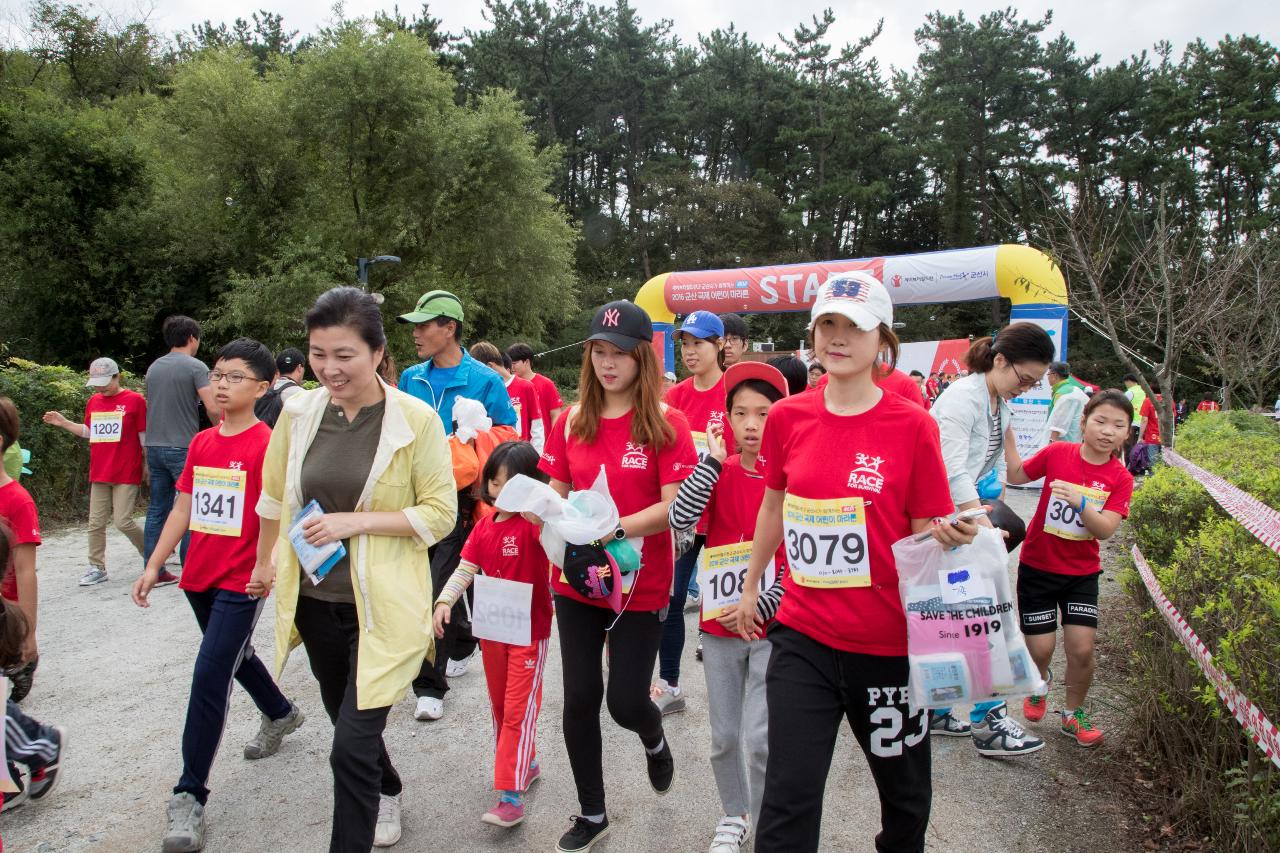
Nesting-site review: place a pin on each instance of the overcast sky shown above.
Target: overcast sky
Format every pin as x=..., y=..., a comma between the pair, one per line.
x=1113, y=28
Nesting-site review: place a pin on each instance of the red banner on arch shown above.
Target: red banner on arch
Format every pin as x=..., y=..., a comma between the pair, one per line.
x=757, y=290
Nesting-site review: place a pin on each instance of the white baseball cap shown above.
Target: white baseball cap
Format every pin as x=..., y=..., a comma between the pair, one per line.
x=857, y=295
x=101, y=371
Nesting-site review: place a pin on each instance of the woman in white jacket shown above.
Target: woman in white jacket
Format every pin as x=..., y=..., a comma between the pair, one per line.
x=973, y=418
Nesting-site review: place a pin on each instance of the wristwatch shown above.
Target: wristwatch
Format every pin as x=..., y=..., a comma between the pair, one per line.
x=619, y=534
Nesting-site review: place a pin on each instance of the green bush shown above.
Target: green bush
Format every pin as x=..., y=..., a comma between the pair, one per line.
x=1227, y=586
x=59, y=479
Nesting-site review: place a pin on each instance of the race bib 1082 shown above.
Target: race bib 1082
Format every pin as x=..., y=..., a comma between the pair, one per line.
x=827, y=541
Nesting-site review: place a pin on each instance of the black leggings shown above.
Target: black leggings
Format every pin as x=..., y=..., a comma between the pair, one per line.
x=633, y=648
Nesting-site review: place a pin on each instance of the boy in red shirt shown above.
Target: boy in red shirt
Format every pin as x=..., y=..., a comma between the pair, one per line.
x=549, y=402
x=524, y=397
x=505, y=547
x=217, y=494
x=115, y=420
x=1143, y=454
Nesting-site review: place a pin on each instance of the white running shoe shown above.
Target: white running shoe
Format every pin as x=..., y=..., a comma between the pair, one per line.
x=429, y=708
x=670, y=700
x=387, y=831
x=93, y=577
x=458, y=668
x=731, y=835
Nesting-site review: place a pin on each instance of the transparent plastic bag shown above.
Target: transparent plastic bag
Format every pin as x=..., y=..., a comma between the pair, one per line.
x=585, y=516
x=964, y=643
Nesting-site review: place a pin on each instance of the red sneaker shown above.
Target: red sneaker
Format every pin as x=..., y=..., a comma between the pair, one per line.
x=1035, y=705
x=505, y=813
x=1076, y=724
x=165, y=578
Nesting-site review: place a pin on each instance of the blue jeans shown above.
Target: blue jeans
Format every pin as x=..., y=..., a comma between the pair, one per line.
x=165, y=467
x=673, y=628
x=226, y=655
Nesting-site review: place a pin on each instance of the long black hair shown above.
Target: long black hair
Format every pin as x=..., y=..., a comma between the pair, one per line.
x=511, y=458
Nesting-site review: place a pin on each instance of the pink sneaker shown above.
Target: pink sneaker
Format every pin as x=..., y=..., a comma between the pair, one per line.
x=505, y=813
x=535, y=773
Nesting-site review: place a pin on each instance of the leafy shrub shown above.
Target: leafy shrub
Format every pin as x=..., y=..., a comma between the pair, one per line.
x=1227, y=586
x=59, y=481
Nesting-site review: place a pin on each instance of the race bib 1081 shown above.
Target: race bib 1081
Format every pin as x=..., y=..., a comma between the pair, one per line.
x=827, y=541
x=722, y=576
x=217, y=500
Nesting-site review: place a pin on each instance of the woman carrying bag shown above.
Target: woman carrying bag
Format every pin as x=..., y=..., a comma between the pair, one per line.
x=376, y=464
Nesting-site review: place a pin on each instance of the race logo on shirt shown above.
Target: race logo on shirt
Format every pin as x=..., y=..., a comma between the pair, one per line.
x=635, y=457
x=866, y=475
x=509, y=547
x=551, y=459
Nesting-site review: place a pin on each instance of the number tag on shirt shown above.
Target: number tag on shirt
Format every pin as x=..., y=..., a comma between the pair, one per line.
x=827, y=541
x=700, y=443
x=217, y=500
x=106, y=427
x=503, y=611
x=1063, y=520
x=722, y=574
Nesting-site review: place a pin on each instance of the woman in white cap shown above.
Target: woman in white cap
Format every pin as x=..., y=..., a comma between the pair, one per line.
x=645, y=450
x=840, y=636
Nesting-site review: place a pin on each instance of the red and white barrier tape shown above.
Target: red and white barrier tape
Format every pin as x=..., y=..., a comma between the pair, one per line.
x=1250, y=716
x=1258, y=518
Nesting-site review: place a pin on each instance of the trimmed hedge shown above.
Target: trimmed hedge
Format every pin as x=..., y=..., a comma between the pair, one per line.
x=1227, y=585
x=59, y=479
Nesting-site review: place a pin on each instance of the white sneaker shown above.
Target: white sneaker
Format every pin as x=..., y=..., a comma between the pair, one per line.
x=458, y=668
x=93, y=577
x=387, y=830
x=670, y=700
x=731, y=834
x=429, y=708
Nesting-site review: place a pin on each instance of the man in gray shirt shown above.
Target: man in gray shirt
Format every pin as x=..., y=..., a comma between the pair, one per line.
x=176, y=384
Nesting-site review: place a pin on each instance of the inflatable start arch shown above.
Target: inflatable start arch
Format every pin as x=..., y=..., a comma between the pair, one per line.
x=1026, y=277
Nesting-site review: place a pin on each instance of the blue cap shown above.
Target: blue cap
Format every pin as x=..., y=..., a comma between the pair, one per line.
x=702, y=324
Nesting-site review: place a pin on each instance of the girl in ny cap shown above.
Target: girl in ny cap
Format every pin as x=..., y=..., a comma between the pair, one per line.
x=725, y=492
x=840, y=636
x=645, y=450
x=701, y=397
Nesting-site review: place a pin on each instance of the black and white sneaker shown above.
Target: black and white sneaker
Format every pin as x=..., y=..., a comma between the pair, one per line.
x=583, y=836
x=43, y=783
x=1000, y=736
x=662, y=768
x=946, y=725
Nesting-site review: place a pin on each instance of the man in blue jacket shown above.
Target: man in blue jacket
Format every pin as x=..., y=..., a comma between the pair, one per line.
x=446, y=373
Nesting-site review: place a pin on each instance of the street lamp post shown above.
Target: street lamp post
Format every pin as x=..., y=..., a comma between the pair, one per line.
x=362, y=268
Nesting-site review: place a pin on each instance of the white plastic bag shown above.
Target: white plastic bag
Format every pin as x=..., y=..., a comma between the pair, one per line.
x=964, y=643
x=585, y=516
x=471, y=418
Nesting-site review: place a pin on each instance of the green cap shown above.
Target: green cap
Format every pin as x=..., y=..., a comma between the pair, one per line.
x=437, y=303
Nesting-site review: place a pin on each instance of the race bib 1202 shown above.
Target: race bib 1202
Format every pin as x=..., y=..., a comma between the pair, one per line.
x=106, y=427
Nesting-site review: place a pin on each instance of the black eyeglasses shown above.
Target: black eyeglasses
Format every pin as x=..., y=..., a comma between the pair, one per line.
x=234, y=378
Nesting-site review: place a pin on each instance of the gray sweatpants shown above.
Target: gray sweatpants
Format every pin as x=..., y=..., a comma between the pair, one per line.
x=735, y=672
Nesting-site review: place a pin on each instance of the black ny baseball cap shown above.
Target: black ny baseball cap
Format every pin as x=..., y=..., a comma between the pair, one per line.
x=623, y=324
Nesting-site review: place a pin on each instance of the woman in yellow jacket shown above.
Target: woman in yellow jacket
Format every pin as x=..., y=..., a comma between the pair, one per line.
x=376, y=462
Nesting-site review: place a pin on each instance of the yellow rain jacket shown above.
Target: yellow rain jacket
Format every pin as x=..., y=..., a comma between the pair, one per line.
x=412, y=474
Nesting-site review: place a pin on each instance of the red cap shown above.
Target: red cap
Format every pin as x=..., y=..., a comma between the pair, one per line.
x=740, y=372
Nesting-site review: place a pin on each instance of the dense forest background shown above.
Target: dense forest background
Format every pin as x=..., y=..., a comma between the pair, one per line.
x=570, y=150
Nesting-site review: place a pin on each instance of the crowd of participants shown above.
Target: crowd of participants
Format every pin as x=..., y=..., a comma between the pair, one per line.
x=366, y=507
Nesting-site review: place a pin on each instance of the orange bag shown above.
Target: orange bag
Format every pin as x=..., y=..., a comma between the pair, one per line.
x=466, y=464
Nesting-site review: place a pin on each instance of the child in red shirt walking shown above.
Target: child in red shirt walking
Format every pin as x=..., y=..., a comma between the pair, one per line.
x=726, y=492
x=505, y=546
x=115, y=420
x=1088, y=495
x=217, y=495
x=850, y=469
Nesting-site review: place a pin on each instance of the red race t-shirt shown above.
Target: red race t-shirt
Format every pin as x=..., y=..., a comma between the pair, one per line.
x=636, y=475
x=115, y=447
x=1206, y=406
x=510, y=550
x=1050, y=552
x=548, y=399
x=19, y=512
x=524, y=399
x=1151, y=429
x=890, y=456
x=224, y=519
x=702, y=408
x=731, y=518
x=892, y=379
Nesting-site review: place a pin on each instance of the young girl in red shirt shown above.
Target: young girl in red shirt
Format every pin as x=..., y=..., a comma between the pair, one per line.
x=1087, y=497
x=850, y=470
x=725, y=492
x=505, y=546
x=701, y=397
x=645, y=450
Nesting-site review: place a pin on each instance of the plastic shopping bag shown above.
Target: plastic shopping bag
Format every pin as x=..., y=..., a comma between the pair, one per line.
x=583, y=517
x=964, y=643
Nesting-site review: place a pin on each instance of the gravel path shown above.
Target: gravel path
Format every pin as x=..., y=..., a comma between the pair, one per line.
x=118, y=677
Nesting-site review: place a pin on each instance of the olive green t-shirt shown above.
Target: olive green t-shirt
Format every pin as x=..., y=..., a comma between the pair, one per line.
x=334, y=472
